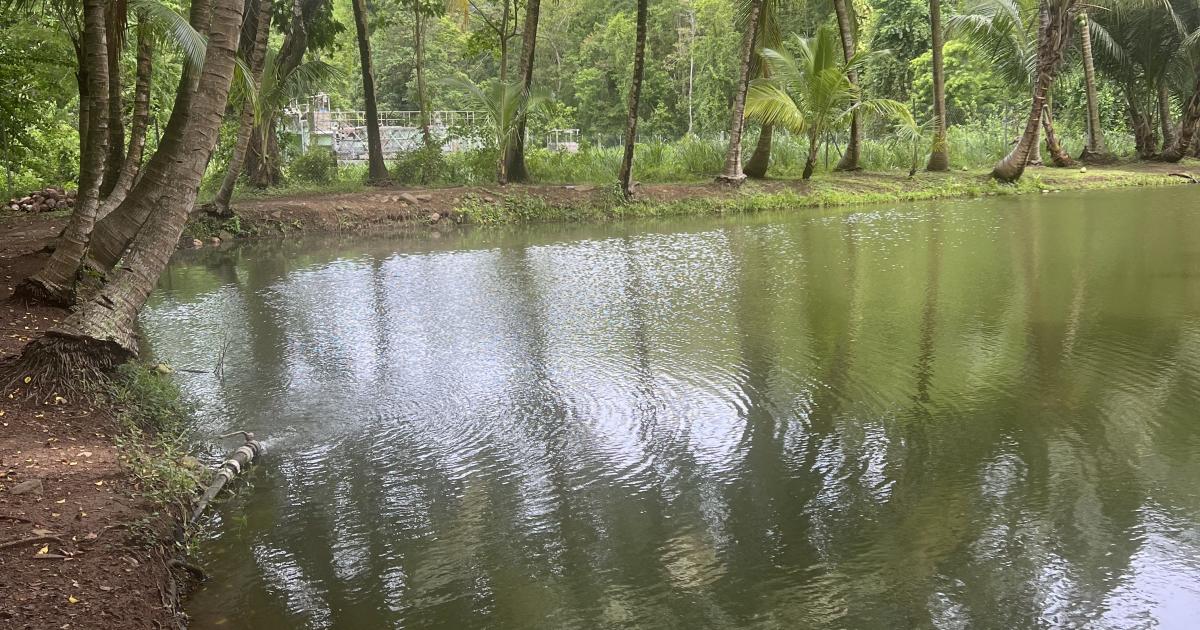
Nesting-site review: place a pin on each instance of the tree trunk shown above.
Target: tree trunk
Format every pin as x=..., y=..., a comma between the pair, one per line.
x=810, y=164
x=100, y=332
x=1164, y=114
x=1187, y=127
x=516, y=156
x=849, y=161
x=376, y=167
x=258, y=55
x=635, y=98
x=1143, y=133
x=137, y=126
x=54, y=283
x=760, y=160
x=115, y=153
x=263, y=168
x=1054, y=30
x=1096, y=149
x=114, y=233
x=939, y=153
x=1058, y=156
x=732, y=172
x=419, y=54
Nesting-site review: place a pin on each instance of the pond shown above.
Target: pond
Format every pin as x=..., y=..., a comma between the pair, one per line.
x=978, y=413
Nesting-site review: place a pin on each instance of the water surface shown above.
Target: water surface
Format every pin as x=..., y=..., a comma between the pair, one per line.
x=970, y=414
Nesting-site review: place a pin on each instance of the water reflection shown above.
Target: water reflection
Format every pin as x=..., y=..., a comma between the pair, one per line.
x=978, y=414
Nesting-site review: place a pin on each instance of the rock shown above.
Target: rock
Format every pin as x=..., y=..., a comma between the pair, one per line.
x=1082, y=169
x=163, y=368
x=409, y=199
x=225, y=235
x=424, y=197
x=214, y=240
x=434, y=217
x=197, y=243
x=25, y=487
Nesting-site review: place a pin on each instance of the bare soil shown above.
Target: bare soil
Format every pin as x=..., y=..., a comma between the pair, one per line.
x=78, y=550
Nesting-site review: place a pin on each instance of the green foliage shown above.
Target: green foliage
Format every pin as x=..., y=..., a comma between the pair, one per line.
x=153, y=442
x=316, y=166
x=975, y=91
x=900, y=27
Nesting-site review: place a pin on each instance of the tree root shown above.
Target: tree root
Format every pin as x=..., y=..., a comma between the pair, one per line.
x=196, y=571
x=34, y=290
x=59, y=362
x=31, y=541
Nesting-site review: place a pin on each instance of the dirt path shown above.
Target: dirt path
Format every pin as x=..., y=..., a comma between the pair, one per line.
x=73, y=546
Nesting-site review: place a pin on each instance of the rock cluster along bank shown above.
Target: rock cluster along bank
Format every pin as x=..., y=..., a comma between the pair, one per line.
x=44, y=200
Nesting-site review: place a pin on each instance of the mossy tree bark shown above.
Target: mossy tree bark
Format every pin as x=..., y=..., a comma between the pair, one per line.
x=138, y=124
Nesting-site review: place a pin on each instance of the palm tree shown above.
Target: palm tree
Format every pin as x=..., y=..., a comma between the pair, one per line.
x=732, y=172
x=55, y=282
x=635, y=98
x=516, y=158
x=1054, y=31
x=1096, y=149
x=768, y=35
x=376, y=167
x=258, y=55
x=939, y=153
x=504, y=104
x=846, y=28
x=811, y=94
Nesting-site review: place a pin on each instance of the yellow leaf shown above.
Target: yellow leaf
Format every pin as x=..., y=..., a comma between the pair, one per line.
x=100, y=483
x=61, y=501
x=44, y=550
x=71, y=599
x=28, y=379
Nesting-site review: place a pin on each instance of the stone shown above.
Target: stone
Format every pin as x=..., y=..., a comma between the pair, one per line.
x=197, y=243
x=1082, y=169
x=163, y=368
x=225, y=235
x=25, y=487
x=424, y=197
x=409, y=199
x=434, y=217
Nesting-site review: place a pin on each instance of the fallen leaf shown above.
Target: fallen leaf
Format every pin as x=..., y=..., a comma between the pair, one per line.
x=71, y=599
x=28, y=379
x=100, y=483
x=61, y=501
x=85, y=453
x=44, y=550
x=91, y=536
x=42, y=532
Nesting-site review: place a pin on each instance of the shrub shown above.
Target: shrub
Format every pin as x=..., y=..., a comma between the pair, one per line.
x=316, y=166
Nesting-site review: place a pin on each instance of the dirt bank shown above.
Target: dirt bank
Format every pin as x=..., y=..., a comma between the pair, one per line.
x=76, y=538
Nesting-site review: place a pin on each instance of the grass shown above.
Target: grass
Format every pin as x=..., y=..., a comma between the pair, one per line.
x=819, y=193
x=153, y=440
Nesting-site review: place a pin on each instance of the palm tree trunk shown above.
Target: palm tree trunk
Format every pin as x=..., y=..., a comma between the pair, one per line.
x=258, y=55
x=1096, y=148
x=635, y=98
x=1143, y=134
x=810, y=164
x=1187, y=127
x=54, y=283
x=115, y=154
x=1054, y=30
x=376, y=167
x=517, y=171
x=263, y=168
x=1164, y=114
x=732, y=173
x=939, y=153
x=419, y=62
x=138, y=125
x=760, y=161
x=1058, y=156
x=100, y=332
x=849, y=161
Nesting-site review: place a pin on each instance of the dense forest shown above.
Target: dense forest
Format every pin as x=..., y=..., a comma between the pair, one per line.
x=1116, y=79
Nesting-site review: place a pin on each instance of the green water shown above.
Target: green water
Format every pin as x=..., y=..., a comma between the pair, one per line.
x=971, y=414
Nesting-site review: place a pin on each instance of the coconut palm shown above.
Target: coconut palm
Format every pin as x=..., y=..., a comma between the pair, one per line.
x=504, y=104
x=625, y=175
x=1095, y=149
x=846, y=21
x=732, y=172
x=811, y=93
x=939, y=153
x=768, y=35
